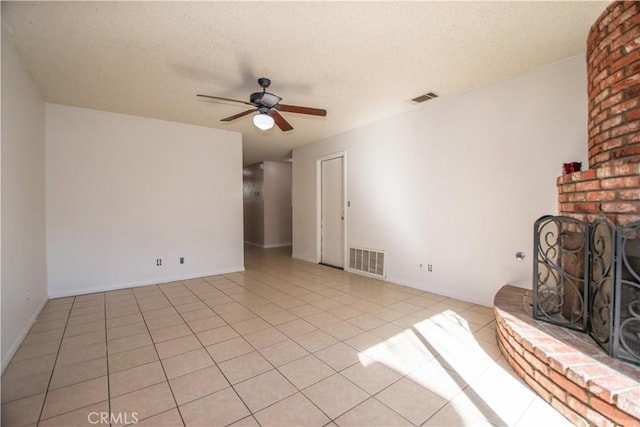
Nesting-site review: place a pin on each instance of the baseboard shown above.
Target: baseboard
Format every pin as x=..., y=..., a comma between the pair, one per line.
x=442, y=292
x=115, y=287
x=16, y=345
x=278, y=245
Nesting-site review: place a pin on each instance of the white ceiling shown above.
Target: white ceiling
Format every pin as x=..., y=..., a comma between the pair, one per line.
x=362, y=61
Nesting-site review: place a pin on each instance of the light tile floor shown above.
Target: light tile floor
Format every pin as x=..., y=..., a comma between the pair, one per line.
x=286, y=343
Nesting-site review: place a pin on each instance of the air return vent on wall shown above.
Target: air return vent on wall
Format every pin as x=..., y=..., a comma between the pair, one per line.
x=367, y=261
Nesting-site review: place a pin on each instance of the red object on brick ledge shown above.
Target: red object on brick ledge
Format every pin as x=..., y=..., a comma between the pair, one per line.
x=566, y=368
x=612, y=191
x=572, y=167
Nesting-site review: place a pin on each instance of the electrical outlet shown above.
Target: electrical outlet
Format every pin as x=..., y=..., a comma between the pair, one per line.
x=429, y=267
x=181, y=260
x=159, y=262
x=28, y=295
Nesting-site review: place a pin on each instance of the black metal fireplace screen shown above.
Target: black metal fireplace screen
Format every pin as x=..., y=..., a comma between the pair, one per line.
x=587, y=278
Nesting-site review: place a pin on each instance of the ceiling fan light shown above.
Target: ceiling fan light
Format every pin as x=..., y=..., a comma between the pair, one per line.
x=263, y=121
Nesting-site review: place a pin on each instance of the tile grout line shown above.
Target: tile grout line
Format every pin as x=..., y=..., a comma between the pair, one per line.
x=255, y=349
x=404, y=376
x=276, y=368
x=331, y=419
x=262, y=290
x=339, y=372
x=106, y=345
x=46, y=393
x=370, y=396
x=144, y=319
x=310, y=385
x=205, y=347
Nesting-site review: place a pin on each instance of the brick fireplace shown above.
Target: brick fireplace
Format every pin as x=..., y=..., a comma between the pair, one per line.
x=567, y=367
x=611, y=185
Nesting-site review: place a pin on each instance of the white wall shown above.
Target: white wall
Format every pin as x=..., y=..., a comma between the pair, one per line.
x=277, y=207
x=23, y=200
x=123, y=191
x=456, y=183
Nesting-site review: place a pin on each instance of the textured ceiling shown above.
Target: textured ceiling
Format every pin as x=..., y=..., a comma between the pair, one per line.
x=362, y=61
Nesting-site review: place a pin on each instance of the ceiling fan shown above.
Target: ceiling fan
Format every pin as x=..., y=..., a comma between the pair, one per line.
x=268, y=107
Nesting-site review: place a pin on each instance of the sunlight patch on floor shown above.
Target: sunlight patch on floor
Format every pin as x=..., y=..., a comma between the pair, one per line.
x=403, y=352
x=441, y=354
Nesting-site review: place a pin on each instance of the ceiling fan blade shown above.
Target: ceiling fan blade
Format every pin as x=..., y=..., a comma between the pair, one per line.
x=237, y=116
x=225, y=99
x=280, y=121
x=301, y=110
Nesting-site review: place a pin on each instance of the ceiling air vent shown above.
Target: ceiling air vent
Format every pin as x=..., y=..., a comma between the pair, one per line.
x=425, y=97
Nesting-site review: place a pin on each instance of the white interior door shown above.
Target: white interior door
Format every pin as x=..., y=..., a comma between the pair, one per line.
x=332, y=211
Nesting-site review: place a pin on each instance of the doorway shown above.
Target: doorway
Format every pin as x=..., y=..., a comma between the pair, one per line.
x=332, y=211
